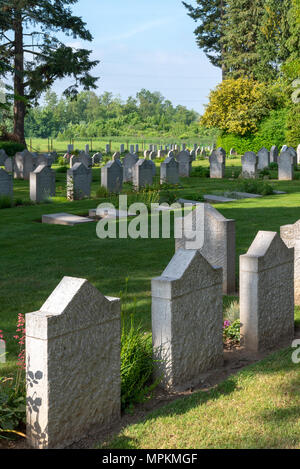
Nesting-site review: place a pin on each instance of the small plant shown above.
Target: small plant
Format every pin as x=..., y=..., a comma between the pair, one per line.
x=12, y=390
x=232, y=313
x=254, y=186
x=102, y=192
x=137, y=366
x=231, y=331
x=201, y=172
x=273, y=166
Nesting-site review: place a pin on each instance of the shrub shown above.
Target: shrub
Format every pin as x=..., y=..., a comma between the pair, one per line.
x=201, y=172
x=231, y=331
x=237, y=106
x=62, y=169
x=137, y=365
x=11, y=148
x=254, y=186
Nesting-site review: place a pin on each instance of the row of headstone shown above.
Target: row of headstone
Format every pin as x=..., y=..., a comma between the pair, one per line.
x=75, y=336
x=286, y=160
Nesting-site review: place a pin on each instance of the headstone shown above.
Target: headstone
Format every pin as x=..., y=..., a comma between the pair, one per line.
x=112, y=176
x=267, y=293
x=293, y=153
x=129, y=162
x=78, y=182
x=290, y=234
x=249, y=165
x=6, y=184
x=116, y=156
x=219, y=241
x=217, y=162
x=142, y=174
x=107, y=148
x=146, y=154
x=285, y=166
x=96, y=159
x=298, y=154
x=274, y=154
x=183, y=146
x=131, y=149
x=3, y=157
x=42, y=184
x=8, y=164
x=86, y=159
x=193, y=155
x=233, y=152
x=169, y=171
x=44, y=160
x=263, y=158
x=284, y=148
x=155, y=148
x=87, y=149
x=122, y=148
x=187, y=320
x=161, y=154
x=185, y=164
x=74, y=159
x=70, y=148
x=153, y=155
x=72, y=365
x=137, y=148
x=23, y=165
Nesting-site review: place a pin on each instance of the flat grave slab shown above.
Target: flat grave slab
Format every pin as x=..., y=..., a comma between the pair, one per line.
x=218, y=199
x=107, y=212
x=64, y=219
x=187, y=201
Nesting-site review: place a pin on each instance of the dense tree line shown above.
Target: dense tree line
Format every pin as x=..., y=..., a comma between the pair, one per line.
x=91, y=115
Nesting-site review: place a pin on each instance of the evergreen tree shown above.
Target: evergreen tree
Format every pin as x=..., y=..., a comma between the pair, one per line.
x=255, y=36
x=29, y=46
x=209, y=32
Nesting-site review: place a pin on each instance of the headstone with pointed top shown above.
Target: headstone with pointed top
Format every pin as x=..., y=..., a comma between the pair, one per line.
x=6, y=184
x=78, y=182
x=217, y=162
x=112, y=176
x=169, y=171
x=42, y=184
x=249, y=165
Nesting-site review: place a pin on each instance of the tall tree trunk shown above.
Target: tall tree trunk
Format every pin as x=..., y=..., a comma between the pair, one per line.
x=19, y=103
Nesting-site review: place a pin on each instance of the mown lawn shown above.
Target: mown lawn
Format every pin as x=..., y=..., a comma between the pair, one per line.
x=34, y=257
x=257, y=408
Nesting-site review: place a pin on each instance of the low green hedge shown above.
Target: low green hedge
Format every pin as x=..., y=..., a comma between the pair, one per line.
x=11, y=148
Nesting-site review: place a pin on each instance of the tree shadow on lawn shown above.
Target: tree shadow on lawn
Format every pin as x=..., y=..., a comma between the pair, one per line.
x=266, y=425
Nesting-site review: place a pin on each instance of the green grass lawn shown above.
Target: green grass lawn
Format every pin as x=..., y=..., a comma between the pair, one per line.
x=34, y=256
x=257, y=408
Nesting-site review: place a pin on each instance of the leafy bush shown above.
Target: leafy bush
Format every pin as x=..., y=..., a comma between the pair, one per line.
x=273, y=166
x=11, y=148
x=12, y=405
x=137, y=366
x=231, y=331
x=101, y=192
x=254, y=186
x=62, y=169
x=238, y=106
x=293, y=126
x=201, y=172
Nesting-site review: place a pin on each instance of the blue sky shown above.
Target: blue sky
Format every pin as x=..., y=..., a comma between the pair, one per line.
x=146, y=44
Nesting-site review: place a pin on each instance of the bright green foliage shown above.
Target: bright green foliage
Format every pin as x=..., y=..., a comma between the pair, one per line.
x=137, y=365
x=293, y=126
x=12, y=403
x=93, y=116
x=237, y=106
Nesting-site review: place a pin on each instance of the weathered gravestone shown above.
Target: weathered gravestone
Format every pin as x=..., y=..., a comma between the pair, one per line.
x=74, y=159
x=185, y=164
x=131, y=149
x=107, y=148
x=146, y=154
x=142, y=174
x=70, y=148
x=284, y=148
x=78, y=182
x=161, y=154
x=24, y=164
x=274, y=154
x=153, y=155
x=217, y=162
x=293, y=153
x=267, y=293
x=290, y=234
x=44, y=160
x=6, y=184
x=233, y=152
x=116, y=156
x=169, y=171
x=8, y=164
x=129, y=162
x=187, y=320
x=3, y=157
x=263, y=158
x=218, y=241
x=72, y=365
x=298, y=154
x=122, y=148
x=285, y=166
x=112, y=176
x=86, y=159
x=42, y=184
x=96, y=158
x=249, y=165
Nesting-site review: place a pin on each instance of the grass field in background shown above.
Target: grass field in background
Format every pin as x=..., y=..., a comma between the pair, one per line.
x=98, y=144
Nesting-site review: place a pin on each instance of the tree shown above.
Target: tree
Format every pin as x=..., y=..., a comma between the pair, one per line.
x=29, y=45
x=238, y=105
x=210, y=14
x=255, y=36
